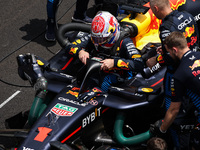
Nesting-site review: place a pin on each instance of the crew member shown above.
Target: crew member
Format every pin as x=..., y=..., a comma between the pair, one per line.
x=173, y=21
x=185, y=81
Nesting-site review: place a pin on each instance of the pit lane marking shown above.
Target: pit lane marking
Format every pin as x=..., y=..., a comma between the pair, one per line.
x=9, y=99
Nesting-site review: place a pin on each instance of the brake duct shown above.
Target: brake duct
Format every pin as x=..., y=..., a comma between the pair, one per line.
x=121, y=139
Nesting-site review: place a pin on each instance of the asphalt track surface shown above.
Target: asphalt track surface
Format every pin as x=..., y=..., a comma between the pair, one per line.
x=22, y=29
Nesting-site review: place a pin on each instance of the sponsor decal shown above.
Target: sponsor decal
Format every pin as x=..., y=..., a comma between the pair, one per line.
x=80, y=34
x=78, y=41
x=193, y=41
x=93, y=102
x=91, y=117
x=139, y=95
x=72, y=101
x=82, y=39
x=130, y=46
x=136, y=56
x=180, y=17
x=184, y=23
x=172, y=91
x=26, y=148
x=172, y=87
x=160, y=59
x=70, y=86
x=40, y=62
x=176, y=3
x=196, y=73
x=188, y=31
x=63, y=110
x=73, y=93
x=75, y=88
x=191, y=58
x=155, y=67
x=73, y=50
x=43, y=133
x=122, y=64
x=96, y=58
x=195, y=64
x=197, y=17
x=165, y=35
x=74, y=43
x=147, y=90
x=187, y=127
x=96, y=90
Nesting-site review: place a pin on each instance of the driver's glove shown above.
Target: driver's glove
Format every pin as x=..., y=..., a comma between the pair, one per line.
x=87, y=96
x=155, y=129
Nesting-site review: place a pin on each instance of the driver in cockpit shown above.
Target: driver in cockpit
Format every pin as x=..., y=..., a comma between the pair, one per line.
x=119, y=56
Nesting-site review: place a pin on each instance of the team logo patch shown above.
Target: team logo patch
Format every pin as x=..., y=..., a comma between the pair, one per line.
x=188, y=31
x=195, y=64
x=73, y=50
x=63, y=110
x=122, y=64
x=160, y=59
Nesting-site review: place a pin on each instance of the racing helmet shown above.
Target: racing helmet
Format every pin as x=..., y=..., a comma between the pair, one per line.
x=105, y=30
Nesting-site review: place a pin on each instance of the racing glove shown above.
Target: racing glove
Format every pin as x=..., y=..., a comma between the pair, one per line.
x=87, y=96
x=155, y=129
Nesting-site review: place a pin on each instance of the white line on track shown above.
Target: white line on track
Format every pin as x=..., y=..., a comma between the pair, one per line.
x=9, y=99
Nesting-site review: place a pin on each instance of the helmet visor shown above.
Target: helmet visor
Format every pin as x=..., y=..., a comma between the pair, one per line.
x=101, y=40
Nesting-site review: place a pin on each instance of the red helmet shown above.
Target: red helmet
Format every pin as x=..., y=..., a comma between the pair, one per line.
x=105, y=29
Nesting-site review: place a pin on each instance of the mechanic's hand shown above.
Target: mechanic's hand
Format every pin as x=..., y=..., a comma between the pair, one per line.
x=107, y=64
x=159, y=50
x=83, y=56
x=151, y=62
x=155, y=129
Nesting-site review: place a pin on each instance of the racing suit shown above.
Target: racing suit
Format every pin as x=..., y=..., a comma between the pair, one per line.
x=183, y=22
x=127, y=59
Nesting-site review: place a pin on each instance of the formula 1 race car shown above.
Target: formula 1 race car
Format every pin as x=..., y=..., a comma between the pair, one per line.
x=70, y=111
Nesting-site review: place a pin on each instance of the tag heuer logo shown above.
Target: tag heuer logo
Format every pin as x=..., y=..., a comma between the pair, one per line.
x=63, y=110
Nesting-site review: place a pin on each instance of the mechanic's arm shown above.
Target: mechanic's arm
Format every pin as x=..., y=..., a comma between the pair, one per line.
x=170, y=115
x=156, y=59
x=176, y=100
x=161, y=51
